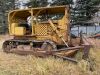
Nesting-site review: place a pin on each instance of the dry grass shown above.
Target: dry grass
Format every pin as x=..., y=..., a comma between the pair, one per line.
x=11, y=64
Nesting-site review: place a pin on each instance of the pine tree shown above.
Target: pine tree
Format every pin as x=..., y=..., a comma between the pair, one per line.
x=61, y=2
x=37, y=3
x=85, y=10
x=5, y=6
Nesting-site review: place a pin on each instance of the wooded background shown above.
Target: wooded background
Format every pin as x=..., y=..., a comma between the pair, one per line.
x=82, y=11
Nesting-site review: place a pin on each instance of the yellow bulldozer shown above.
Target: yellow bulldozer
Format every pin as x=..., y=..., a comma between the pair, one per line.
x=41, y=31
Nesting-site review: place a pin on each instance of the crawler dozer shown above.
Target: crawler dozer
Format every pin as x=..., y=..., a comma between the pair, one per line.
x=41, y=31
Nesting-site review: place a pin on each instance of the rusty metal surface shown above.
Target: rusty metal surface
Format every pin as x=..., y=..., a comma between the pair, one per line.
x=47, y=48
x=67, y=58
x=10, y=44
x=87, y=45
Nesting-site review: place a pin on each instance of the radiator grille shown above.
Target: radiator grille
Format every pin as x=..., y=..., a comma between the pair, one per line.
x=41, y=30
